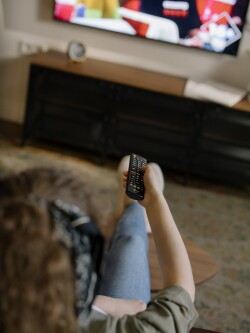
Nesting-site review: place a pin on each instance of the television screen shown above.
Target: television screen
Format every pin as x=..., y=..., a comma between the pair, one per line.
x=212, y=25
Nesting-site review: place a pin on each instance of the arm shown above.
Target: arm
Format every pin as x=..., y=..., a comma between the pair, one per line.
x=171, y=251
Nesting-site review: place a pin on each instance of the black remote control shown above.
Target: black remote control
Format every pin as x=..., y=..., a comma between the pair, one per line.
x=135, y=185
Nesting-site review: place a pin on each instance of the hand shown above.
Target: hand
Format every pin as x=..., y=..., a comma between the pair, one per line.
x=151, y=183
x=118, y=306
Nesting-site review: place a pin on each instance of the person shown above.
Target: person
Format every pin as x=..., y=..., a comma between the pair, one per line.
x=39, y=282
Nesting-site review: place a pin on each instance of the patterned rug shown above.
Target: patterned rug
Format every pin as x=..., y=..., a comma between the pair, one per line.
x=217, y=221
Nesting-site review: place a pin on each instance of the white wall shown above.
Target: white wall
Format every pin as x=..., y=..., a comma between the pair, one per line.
x=31, y=20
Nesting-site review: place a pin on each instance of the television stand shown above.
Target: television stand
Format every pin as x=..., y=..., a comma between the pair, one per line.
x=113, y=110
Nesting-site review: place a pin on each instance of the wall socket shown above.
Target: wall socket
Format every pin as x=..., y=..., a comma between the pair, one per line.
x=28, y=48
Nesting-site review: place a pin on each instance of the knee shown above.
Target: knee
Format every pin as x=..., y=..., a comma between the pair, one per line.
x=135, y=241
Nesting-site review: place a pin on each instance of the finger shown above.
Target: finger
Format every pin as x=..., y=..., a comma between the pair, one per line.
x=144, y=168
x=124, y=179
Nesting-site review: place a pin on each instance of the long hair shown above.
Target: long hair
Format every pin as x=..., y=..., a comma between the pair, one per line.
x=36, y=274
x=53, y=183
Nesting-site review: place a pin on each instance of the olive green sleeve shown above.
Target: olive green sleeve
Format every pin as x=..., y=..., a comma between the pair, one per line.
x=170, y=311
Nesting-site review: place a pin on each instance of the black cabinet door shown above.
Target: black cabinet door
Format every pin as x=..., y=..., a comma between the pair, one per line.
x=155, y=125
x=66, y=108
x=223, y=150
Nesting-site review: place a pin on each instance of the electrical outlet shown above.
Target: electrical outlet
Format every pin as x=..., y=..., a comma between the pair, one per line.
x=27, y=48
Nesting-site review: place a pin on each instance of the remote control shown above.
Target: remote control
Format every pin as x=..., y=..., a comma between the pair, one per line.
x=135, y=185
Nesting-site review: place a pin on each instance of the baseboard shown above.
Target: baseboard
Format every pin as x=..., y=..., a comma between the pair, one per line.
x=10, y=130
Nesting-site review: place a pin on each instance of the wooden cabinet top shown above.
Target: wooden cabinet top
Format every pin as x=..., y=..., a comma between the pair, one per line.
x=109, y=71
x=118, y=73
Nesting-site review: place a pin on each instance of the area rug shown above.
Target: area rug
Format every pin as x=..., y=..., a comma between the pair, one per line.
x=218, y=222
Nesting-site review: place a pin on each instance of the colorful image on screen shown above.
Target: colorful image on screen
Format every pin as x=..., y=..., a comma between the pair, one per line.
x=212, y=25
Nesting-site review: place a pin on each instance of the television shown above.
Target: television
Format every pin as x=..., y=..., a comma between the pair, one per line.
x=211, y=25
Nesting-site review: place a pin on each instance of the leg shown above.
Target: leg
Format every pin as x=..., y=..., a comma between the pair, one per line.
x=126, y=273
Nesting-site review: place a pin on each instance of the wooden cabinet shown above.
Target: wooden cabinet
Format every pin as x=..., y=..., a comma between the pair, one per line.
x=114, y=110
